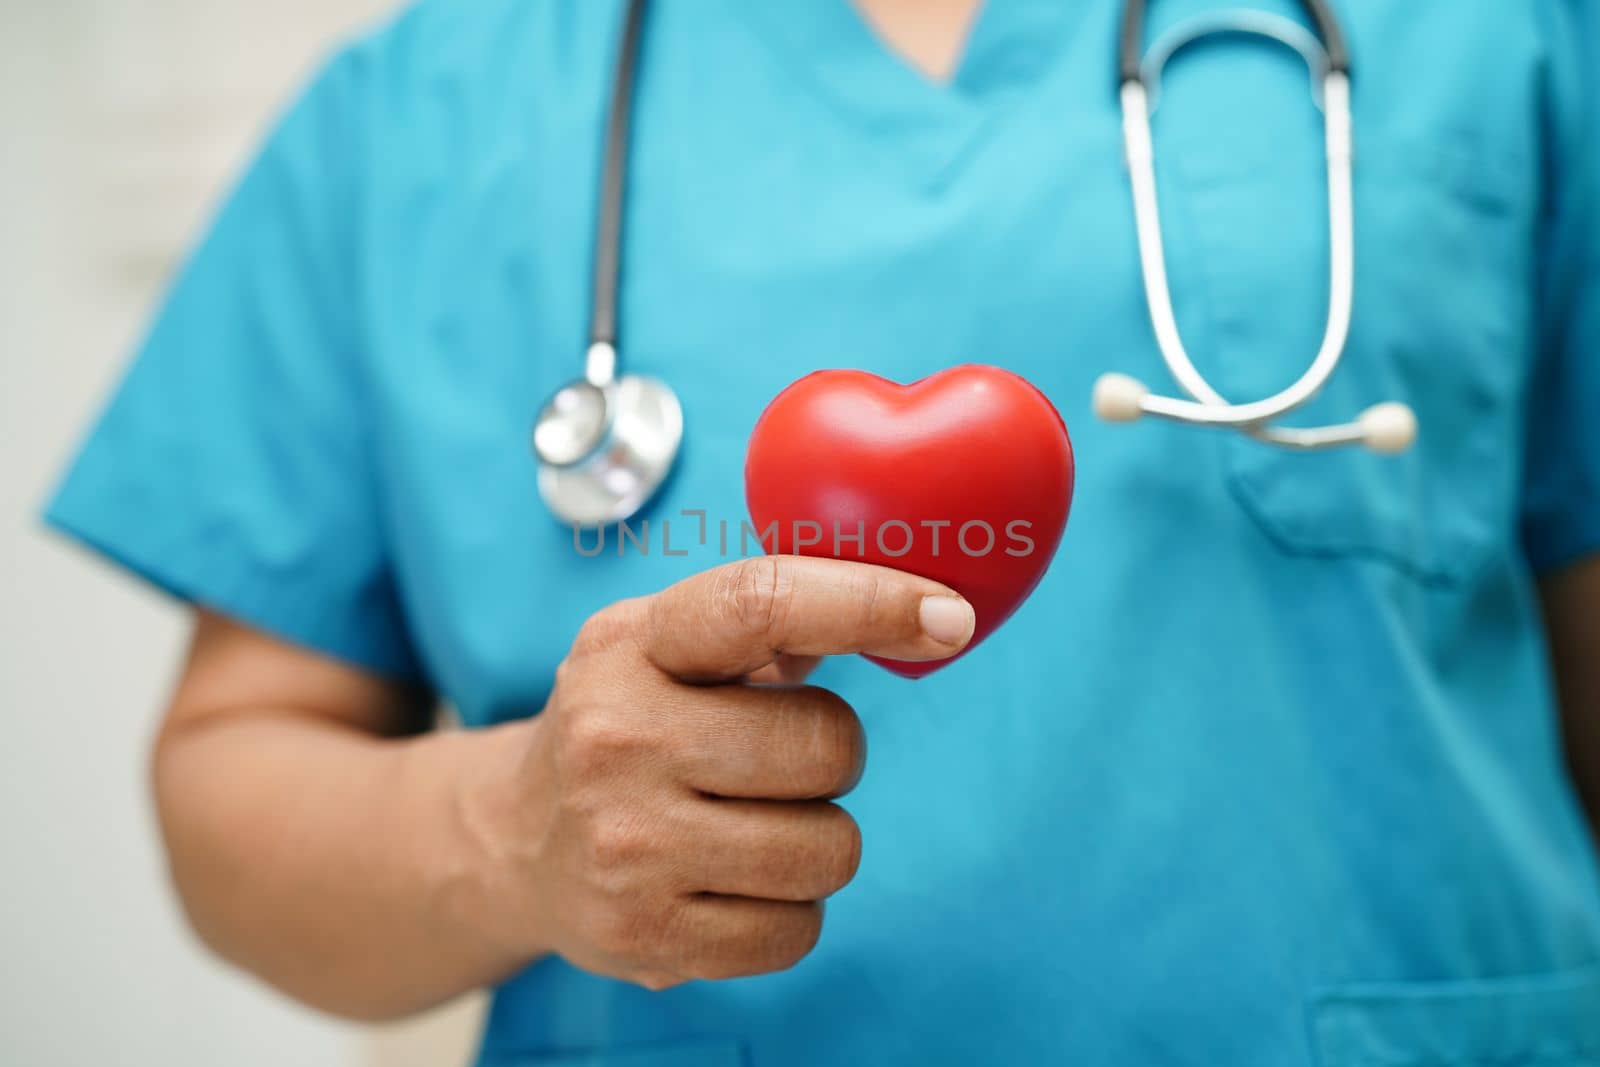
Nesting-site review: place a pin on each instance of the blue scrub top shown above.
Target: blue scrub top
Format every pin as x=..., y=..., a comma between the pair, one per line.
x=1267, y=771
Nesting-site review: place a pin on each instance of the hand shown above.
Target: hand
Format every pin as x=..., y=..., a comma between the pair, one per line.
x=668, y=820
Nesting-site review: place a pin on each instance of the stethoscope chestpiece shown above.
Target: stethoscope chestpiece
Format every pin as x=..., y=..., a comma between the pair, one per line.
x=573, y=425
x=605, y=445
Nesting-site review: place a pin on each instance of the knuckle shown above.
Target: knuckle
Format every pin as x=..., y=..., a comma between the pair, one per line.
x=606, y=628
x=596, y=741
x=797, y=936
x=841, y=850
x=875, y=594
x=842, y=742
x=757, y=594
x=836, y=752
x=615, y=846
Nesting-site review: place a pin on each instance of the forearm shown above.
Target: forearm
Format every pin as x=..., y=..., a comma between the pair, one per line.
x=348, y=870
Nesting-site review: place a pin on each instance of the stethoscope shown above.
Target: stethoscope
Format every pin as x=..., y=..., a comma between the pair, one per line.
x=1388, y=427
x=607, y=442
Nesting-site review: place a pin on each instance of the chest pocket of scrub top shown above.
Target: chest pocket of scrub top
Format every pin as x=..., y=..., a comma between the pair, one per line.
x=1443, y=284
x=1540, y=1021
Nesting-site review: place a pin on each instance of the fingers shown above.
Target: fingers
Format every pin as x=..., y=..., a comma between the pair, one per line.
x=734, y=937
x=768, y=851
x=690, y=834
x=728, y=622
x=799, y=743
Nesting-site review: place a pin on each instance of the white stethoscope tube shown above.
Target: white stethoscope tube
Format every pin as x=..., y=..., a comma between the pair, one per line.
x=1387, y=427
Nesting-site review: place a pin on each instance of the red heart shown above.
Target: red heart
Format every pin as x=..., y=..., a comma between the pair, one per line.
x=922, y=471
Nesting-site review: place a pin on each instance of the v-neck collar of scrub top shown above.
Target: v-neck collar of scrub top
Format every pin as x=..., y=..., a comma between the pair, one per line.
x=1010, y=48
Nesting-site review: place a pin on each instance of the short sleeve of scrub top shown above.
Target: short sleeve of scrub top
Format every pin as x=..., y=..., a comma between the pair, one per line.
x=232, y=468
x=1562, y=501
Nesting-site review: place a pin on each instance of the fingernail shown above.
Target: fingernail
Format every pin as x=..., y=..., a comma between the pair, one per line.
x=947, y=619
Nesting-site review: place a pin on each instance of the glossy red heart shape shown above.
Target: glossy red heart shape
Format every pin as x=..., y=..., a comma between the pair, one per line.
x=964, y=477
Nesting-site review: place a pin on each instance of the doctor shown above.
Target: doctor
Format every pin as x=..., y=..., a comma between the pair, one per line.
x=1268, y=771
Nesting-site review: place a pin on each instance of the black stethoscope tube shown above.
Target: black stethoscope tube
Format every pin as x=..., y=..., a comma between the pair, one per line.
x=608, y=237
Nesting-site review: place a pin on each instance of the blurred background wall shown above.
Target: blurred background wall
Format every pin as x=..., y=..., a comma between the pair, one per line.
x=121, y=121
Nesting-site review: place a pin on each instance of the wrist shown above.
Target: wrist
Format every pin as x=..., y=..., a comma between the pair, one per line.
x=496, y=814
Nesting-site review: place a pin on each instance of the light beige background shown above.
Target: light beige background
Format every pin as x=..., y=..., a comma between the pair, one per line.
x=120, y=123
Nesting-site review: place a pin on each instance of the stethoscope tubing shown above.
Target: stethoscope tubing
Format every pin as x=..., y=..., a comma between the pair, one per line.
x=1386, y=427
x=1208, y=407
x=1130, y=47
x=601, y=369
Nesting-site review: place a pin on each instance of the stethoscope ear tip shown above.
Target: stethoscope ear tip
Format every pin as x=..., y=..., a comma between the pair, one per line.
x=1389, y=428
x=1119, y=398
